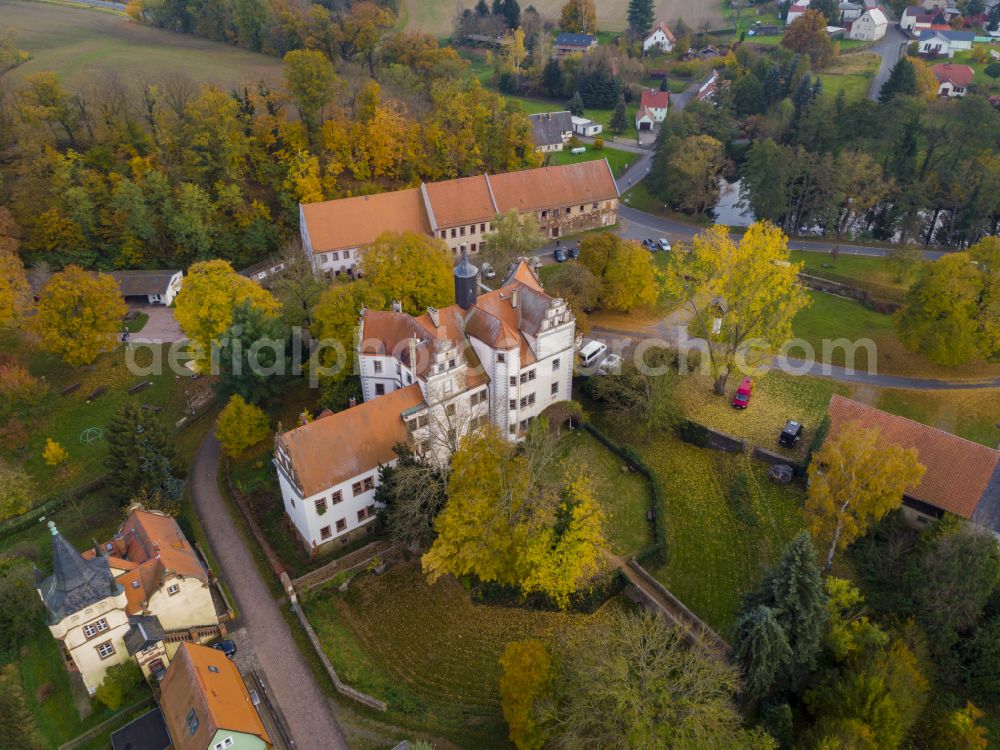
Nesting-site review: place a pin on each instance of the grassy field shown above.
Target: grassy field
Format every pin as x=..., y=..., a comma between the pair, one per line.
x=603, y=116
x=428, y=651
x=617, y=159
x=991, y=85
x=851, y=74
x=861, y=271
x=80, y=44
x=972, y=414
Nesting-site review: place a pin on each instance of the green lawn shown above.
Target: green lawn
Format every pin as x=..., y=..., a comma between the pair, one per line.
x=972, y=414
x=603, y=116
x=428, y=651
x=980, y=78
x=138, y=323
x=864, y=272
x=855, y=87
x=617, y=159
x=79, y=44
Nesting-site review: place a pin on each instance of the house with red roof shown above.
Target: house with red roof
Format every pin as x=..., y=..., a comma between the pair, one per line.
x=660, y=39
x=652, y=110
x=954, y=79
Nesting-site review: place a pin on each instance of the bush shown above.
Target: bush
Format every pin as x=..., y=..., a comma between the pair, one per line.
x=119, y=682
x=240, y=426
x=598, y=144
x=694, y=433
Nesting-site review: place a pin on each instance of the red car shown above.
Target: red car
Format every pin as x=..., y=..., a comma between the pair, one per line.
x=742, y=397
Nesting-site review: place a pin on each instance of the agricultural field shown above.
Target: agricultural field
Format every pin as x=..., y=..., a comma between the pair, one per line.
x=437, y=16
x=79, y=44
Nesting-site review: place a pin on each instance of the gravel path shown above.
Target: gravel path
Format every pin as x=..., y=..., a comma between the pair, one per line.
x=309, y=713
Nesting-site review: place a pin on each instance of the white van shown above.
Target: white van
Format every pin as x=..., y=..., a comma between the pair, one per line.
x=591, y=353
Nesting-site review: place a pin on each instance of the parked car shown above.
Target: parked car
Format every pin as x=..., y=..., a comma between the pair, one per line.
x=488, y=271
x=591, y=353
x=650, y=244
x=573, y=251
x=611, y=364
x=559, y=255
x=742, y=396
x=226, y=647
x=791, y=434
x=664, y=244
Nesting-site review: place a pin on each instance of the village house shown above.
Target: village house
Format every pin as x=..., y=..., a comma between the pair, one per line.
x=565, y=199
x=656, y=102
x=944, y=43
x=954, y=79
x=206, y=705
x=962, y=477
x=501, y=358
x=139, y=595
x=850, y=11
x=583, y=126
x=916, y=19
x=870, y=26
x=796, y=11
x=574, y=44
x=149, y=287
x=660, y=39
x=551, y=130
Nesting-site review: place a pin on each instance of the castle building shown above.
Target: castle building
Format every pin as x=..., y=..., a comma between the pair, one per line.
x=501, y=358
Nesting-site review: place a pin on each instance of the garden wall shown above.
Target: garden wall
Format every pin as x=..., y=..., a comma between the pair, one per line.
x=851, y=292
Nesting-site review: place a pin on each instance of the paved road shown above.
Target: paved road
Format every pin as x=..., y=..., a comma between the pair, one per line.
x=890, y=48
x=310, y=713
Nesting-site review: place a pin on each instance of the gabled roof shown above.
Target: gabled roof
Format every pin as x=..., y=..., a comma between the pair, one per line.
x=951, y=36
x=204, y=679
x=148, y=732
x=962, y=477
x=341, y=446
x=550, y=187
x=877, y=15
x=142, y=633
x=956, y=75
x=76, y=581
x=466, y=200
x=547, y=128
x=143, y=283
x=654, y=99
x=355, y=222
x=566, y=39
x=665, y=29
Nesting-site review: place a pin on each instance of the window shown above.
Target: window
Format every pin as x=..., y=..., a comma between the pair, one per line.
x=380, y=389
x=531, y=374
x=555, y=389
x=453, y=231
x=472, y=229
x=213, y=669
x=451, y=363
x=513, y=381
x=501, y=357
x=472, y=247
x=444, y=234
x=449, y=410
x=356, y=489
x=526, y=376
x=422, y=420
x=173, y=588
x=482, y=227
x=555, y=364
x=347, y=254
x=594, y=206
x=192, y=722
x=321, y=506
x=582, y=209
x=341, y=525
x=513, y=404
x=336, y=497
x=544, y=214
x=335, y=256
x=106, y=649
x=362, y=514
x=527, y=400
x=448, y=387
x=513, y=429
x=90, y=630
x=369, y=483
x=479, y=397
x=325, y=533
x=377, y=366
x=461, y=231
x=371, y=510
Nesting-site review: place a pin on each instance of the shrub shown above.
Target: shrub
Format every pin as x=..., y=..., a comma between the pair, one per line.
x=241, y=425
x=598, y=144
x=694, y=433
x=54, y=454
x=119, y=681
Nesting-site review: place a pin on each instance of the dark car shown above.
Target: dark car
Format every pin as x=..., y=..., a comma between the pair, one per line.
x=226, y=647
x=559, y=255
x=791, y=434
x=651, y=245
x=574, y=251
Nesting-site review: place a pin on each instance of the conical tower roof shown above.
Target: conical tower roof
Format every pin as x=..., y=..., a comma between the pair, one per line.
x=75, y=583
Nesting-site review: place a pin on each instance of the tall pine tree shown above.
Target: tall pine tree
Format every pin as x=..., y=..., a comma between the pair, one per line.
x=552, y=80
x=640, y=16
x=253, y=355
x=762, y=651
x=619, y=118
x=140, y=456
x=575, y=105
x=902, y=81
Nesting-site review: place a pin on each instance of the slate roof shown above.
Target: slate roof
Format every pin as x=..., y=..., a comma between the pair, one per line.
x=961, y=477
x=148, y=732
x=547, y=128
x=76, y=582
x=143, y=632
x=952, y=36
x=143, y=283
x=566, y=39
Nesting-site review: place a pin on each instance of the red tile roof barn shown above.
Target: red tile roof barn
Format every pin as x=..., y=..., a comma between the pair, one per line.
x=354, y=222
x=960, y=474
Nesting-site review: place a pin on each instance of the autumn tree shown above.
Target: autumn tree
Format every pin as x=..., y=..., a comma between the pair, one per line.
x=807, y=36
x=576, y=284
x=641, y=397
x=526, y=671
x=516, y=52
x=335, y=321
x=361, y=30
x=503, y=523
x=410, y=268
x=927, y=84
x=297, y=288
x=17, y=491
x=578, y=16
x=312, y=82
x=625, y=269
x=692, y=174
x=741, y=296
x=634, y=681
x=412, y=493
x=511, y=239
x=54, y=454
x=854, y=480
x=141, y=456
x=15, y=293
x=79, y=315
x=241, y=426
x=212, y=291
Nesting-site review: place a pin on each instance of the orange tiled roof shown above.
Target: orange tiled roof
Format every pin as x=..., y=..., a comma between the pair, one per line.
x=466, y=200
x=958, y=472
x=364, y=433
x=551, y=187
x=355, y=222
x=204, y=679
x=655, y=99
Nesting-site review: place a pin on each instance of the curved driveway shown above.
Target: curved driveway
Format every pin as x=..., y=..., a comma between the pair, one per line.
x=307, y=710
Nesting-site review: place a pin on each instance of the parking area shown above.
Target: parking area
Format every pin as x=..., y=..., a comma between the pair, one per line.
x=161, y=328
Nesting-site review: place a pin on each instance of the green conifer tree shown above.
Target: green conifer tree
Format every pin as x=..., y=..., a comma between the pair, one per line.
x=762, y=651
x=619, y=118
x=140, y=456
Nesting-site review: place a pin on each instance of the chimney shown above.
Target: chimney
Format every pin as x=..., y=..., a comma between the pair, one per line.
x=435, y=318
x=352, y=402
x=413, y=355
x=513, y=298
x=397, y=306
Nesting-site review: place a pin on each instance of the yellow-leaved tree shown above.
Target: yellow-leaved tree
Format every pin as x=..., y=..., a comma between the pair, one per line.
x=54, y=454
x=79, y=314
x=626, y=271
x=335, y=318
x=506, y=520
x=240, y=426
x=855, y=478
x=412, y=268
x=526, y=673
x=211, y=291
x=749, y=287
x=15, y=294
